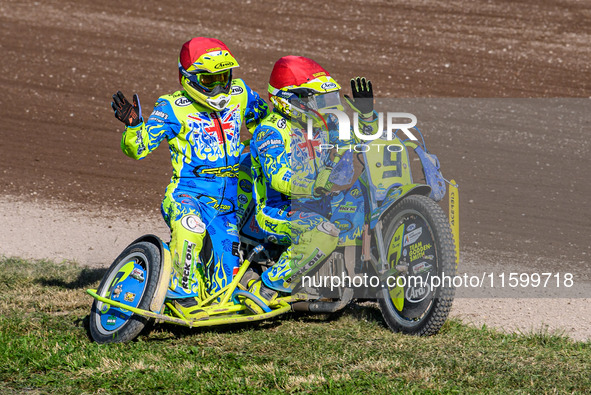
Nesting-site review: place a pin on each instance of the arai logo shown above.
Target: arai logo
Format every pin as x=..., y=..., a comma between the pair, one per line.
x=236, y=90
x=223, y=64
x=418, y=294
x=328, y=85
x=183, y=102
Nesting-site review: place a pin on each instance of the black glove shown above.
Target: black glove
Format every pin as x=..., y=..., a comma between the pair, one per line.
x=129, y=114
x=362, y=101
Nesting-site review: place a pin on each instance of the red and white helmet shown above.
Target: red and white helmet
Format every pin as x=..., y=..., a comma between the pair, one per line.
x=299, y=85
x=205, y=71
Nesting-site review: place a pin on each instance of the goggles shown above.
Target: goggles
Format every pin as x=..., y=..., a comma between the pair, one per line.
x=327, y=100
x=208, y=81
x=314, y=100
x=211, y=80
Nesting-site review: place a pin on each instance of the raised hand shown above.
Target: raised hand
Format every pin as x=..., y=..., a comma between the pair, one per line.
x=362, y=100
x=128, y=113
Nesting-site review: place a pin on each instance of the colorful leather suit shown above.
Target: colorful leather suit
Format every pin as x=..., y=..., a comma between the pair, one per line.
x=199, y=204
x=285, y=165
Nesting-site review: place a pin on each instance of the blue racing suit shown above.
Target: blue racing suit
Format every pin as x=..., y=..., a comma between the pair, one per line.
x=200, y=202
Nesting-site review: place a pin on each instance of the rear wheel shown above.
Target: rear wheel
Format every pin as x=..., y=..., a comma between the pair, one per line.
x=418, y=240
x=131, y=280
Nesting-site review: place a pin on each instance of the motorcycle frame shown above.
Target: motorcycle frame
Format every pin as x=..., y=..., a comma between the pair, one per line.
x=216, y=309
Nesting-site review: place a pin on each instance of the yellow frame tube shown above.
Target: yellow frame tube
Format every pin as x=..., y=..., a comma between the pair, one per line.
x=454, y=216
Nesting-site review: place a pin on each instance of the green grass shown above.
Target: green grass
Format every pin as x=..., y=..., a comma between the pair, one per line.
x=45, y=348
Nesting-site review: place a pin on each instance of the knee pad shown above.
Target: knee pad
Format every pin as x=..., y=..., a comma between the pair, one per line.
x=193, y=224
x=329, y=228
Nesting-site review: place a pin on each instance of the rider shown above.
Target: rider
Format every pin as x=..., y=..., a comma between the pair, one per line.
x=202, y=125
x=287, y=165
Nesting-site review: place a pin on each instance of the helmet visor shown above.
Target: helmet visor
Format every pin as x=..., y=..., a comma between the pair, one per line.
x=208, y=81
x=328, y=100
x=211, y=80
x=316, y=101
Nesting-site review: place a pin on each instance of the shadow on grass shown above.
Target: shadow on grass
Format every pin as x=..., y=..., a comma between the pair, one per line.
x=162, y=332
x=363, y=311
x=179, y=332
x=358, y=309
x=86, y=278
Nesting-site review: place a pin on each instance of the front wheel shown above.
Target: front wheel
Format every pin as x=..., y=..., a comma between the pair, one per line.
x=131, y=280
x=420, y=250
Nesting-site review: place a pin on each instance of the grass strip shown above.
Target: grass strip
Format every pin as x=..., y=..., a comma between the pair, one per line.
x=45, y=348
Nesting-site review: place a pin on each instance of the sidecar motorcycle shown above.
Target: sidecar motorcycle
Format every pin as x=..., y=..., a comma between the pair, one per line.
x=390, y=228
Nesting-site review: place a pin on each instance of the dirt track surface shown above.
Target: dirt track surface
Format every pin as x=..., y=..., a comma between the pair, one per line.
x=524, y=188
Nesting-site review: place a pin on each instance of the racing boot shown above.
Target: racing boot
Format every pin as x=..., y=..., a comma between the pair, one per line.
x=263, y=297
x=189, y=309
x=250, y=275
